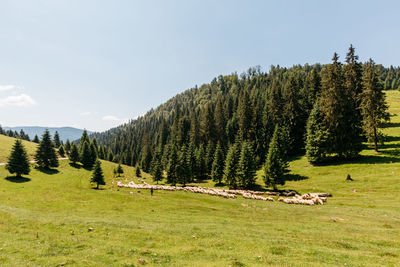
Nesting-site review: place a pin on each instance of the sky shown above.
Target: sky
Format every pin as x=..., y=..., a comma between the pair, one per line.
x=96, y=64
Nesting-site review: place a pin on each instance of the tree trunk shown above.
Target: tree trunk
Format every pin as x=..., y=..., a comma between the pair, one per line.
x=375, y=140
x=97, y=186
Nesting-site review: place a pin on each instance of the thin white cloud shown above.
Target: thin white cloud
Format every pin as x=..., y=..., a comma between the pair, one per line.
x=7, y=87
x=86, y=113
x=21, y=100
x=113, y=118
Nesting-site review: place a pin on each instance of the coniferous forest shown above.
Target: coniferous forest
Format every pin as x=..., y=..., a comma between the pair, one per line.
x=237, y=124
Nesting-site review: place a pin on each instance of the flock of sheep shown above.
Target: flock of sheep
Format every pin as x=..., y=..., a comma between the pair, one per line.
x=306, y=199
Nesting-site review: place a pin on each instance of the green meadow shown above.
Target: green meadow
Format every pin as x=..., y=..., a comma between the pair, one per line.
x=55, y=218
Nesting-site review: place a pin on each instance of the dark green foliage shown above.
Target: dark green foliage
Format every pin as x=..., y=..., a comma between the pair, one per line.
x=74, y=154
x=210, y=150
x=156, y=168
x=86, y=155
x=191, y=162
x=61, y=151
x=46, y=155
x=67, y=146
x=246, y=171
x=57, y=142
x=138, y=171
x=172, y=168
x=276, y=164
x=183, y=172
x=119, y=170
x=373, y=104
x=201, y=166
x=97, y=176
x=36, y=139
x=93, y=152
x=217, y=171
x=18, y=161
x=317, y=146
x=245, y=116
x=231, y=166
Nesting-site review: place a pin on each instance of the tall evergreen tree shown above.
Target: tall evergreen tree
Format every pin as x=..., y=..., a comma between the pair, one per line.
x=57, y=141
x=67, y=146
x=373, y=104
x=208, y=124
x=156, y=167
x=201, y=163
x=74, y=154
x=46, y=155
x=246, y=171
x=231, y=166
x=97, y=176
x=86, y=155
x=61, y=151
x=84, y=137
x=210, y=150
x=36, y=139
x=138, y=171
x=172, y=168
x=276, y=164
x=93, y=153
x=183, y=174
x=18, y=161
x=245, y=116
x=217, y=171
x=317, y=146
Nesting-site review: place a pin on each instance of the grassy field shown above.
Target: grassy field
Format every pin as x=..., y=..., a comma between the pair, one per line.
x=6, y=144
x=44, y=220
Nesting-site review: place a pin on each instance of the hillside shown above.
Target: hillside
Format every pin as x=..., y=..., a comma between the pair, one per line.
x=64, y=132
x=6, y=144
x=45, y=218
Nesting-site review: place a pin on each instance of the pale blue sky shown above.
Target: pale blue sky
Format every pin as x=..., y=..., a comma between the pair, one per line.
x=94, y=64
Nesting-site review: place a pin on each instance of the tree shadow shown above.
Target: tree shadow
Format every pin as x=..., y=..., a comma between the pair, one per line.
x=100, y=188
x=75, y=165
x=295, y=177
x=220, y=184
x=15, y=179
x=391, y=125
x=368, y=159
x=47, y=170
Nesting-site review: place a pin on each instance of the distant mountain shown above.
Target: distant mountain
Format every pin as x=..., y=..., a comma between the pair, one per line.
x=64, y=132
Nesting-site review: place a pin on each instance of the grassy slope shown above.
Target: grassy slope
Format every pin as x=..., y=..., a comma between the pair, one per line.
x=6, y=144
x=37, y=218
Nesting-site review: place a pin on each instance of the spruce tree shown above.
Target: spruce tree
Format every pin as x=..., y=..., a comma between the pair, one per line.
x=191, y=162
x=207, y=126
x=57, y=141
x=93, y=153
x=156, y=168
x=138, y=172
x=201, y=163
x=86, y=155
x=172, y=168
x=61, y=151
x=245, y=116
x=120, y=170
x=84, y=137
x=36, y=139
x=276, y=164
x=67, y=146
x=183, y=174
x=18, y=161
x=246, y=171
x=210, y=150
x=373, y=104
x=74, y=154
x=231, y=166
x=46, y=155
x=217, y=171
x=317, y=146
x=97, y=176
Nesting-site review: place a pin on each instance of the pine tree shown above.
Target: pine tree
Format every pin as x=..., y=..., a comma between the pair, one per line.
x=317, y=136
x=93, y=153
x=231, y=165
x=61, y=151
x=191, y=162
x=201, y=163
x=84, y=137
x=246, y=171
x=67, y=146
x=276, y=164
x=217, y=171
x=74, y=154
x=97, y=176
x=209, y=156
x=36, y=139
x=373, y=104
x=172, y=168
x=57, y=141
x=207, y=128
x=18, y=161
x=46, y=155
x=220, y=121
x=245, y=116
x=156, y=168
x=183, y=174
x=86, y=155
x=120, y=170
x=138, y=171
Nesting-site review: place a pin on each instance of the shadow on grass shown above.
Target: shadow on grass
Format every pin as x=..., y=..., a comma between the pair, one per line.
x=370, y=159
x=47, y=171
x=391, y=125
x=75, y=165
x=15, y=179
x=295, y=177
x=100, y=188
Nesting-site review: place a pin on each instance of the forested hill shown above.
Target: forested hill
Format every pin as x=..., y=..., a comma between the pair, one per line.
x=243, y=108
